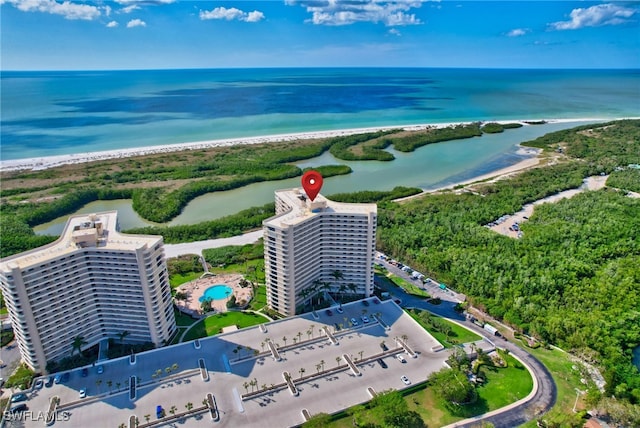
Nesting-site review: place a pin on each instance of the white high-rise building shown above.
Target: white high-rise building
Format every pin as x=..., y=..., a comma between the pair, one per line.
x=306, y=243
x=92, y=282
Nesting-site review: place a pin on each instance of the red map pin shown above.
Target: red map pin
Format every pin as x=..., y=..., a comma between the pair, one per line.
x=312, y=183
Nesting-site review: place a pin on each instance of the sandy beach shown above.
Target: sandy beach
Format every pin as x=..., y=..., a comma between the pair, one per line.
x=42, y=163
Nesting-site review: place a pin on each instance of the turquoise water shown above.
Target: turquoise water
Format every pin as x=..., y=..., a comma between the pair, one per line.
x=216, y=292
x=55, y=113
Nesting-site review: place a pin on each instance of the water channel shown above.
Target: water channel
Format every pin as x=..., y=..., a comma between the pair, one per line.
x=428, y=167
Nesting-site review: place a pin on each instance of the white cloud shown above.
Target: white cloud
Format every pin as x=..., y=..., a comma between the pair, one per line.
x=136, y=23
x=231, y=14
x=595, y=16
x=517, y=32
x=112, y=24
x=67, y=9
x=335, y=12
x=130, y=8
x=395, y=32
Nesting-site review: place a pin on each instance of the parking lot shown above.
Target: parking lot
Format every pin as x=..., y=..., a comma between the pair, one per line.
x=237, y=359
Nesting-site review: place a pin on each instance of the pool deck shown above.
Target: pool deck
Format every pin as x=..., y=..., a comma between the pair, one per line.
x=195, y=290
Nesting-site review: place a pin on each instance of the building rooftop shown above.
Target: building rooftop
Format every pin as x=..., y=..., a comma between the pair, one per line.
x=81, y=231
x=302, y=208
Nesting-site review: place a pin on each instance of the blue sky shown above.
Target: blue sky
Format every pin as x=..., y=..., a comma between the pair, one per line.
x=142, y=34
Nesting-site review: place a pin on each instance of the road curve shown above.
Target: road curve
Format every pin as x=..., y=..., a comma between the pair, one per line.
x=509, y=416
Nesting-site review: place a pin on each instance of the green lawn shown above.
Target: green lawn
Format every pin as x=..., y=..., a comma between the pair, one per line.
x=241, y=268
x=259, y=300
x=458, y=334
x=391, y=281
x=183, y=320
x=503, y=386
x=214, y=324
x=567, y=379
x=179, y=279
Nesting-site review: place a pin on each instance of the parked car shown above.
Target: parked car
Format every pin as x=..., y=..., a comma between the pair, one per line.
x=49, y=383
x=365, y=302
x=18, y=408
x=365, y=319
x=401, y=358
x=328, y=312
x=159, y=412
x=83, y=392
x=405, y=380
x=354, y=322
x=39, y=384
x=339, y=310
x=100, y=369
x=57, y=379
x=382, y=363
x=85, y=372
x=19, y=397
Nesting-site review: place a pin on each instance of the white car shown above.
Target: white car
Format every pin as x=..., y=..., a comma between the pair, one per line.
x=405, y=380
x=354, y=322
x=401, y=358
x=83, y=392
x=365, y=319
x=339, y=310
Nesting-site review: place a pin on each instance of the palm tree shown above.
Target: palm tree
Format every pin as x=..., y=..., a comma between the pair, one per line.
x=284, y=339
x=109, y=384
x=264, y=386
x=246, y=386
x=337, y=275
x=302, y=370
x=189, y=406
x=351, y=286
x=122, y=335
x=174, y=367
x=173, y=410
x=299, y=336
x=309, y=333
x=405, y=338
x=262, y=345
x=341, y=291
x=78, y=343
x=118, y=386
x=361, y=352
x=147, y=418
x=98, y=383
x=338, y=358
x=322, y=364
x=318, y=367
x=168, y=370
x=311, y=327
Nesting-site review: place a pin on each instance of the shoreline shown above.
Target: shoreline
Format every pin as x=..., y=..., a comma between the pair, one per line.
x=46, y=162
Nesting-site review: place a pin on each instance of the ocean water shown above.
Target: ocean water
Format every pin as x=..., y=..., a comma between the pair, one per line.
x=55, y=113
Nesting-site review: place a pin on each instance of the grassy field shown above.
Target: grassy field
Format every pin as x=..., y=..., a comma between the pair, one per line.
x=214, y=324
x=567, y=380
x=503, y=386
x=391, y=280
x=179, y=279
x=458, y=334
x=241, y=268
x=183, y=320
x=259, y=300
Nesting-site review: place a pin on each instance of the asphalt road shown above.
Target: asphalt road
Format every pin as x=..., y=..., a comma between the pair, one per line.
x=512, y=416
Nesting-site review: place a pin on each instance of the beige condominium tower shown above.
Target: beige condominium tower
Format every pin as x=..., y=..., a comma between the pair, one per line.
x=314, y=247
x=92, y=282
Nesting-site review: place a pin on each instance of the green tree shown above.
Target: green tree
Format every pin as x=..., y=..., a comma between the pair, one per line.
x=453, y=386
x=319, y=420
x=77, y=344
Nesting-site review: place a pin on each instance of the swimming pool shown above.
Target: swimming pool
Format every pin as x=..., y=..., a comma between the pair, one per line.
x=216, y=292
